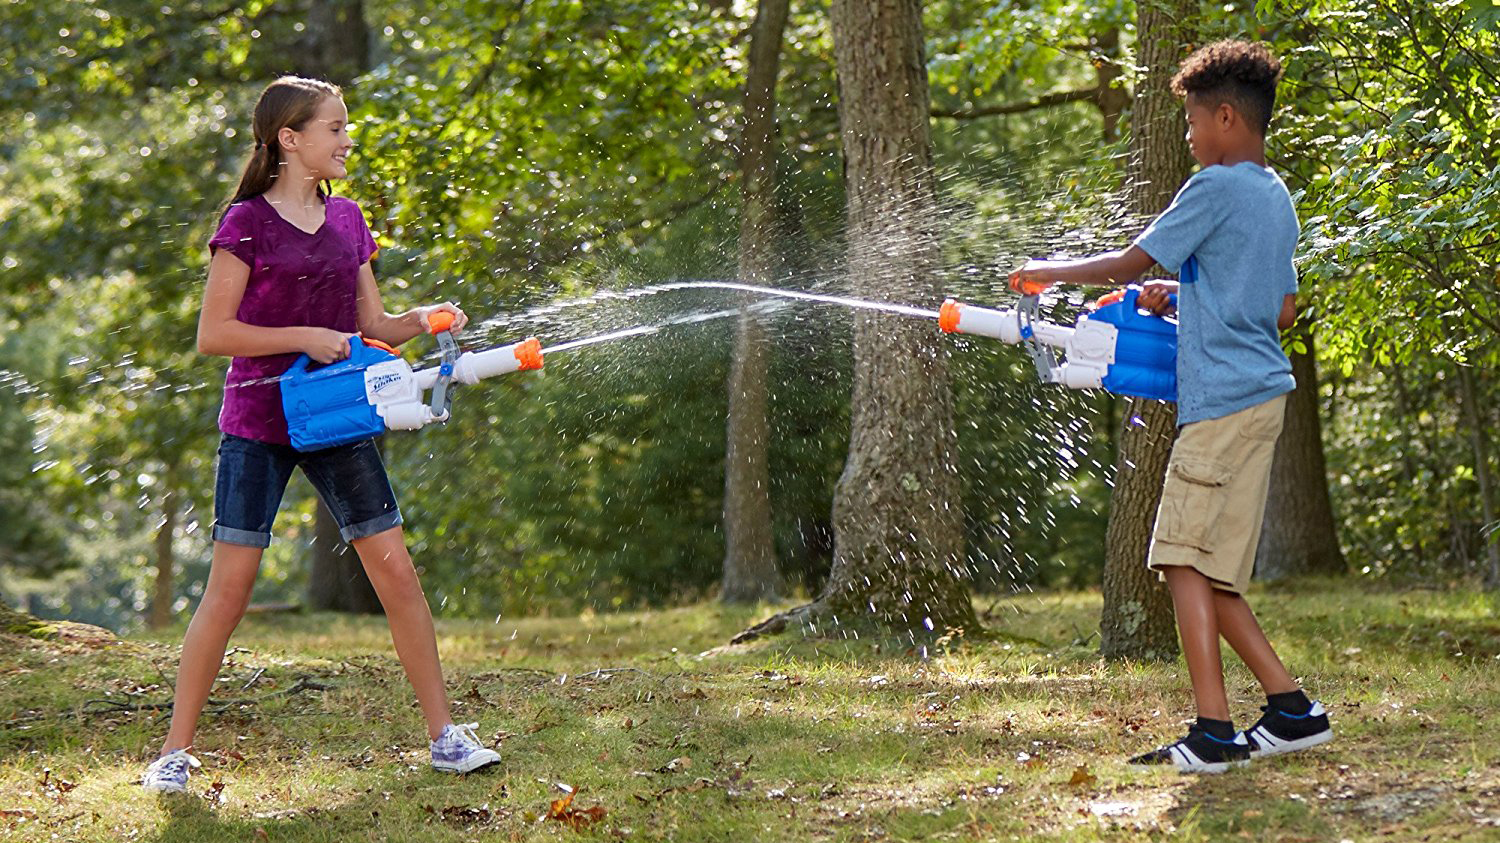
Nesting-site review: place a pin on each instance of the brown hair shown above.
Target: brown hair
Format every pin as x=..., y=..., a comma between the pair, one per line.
x=289, y=103
x=1241, y=73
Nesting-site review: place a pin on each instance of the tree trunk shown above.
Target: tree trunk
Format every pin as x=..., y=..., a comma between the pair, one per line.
x=166, y=562
x=1298, y=535
x=897, y=519
x=336, y=44
x=337, y=581
x=750, y=571
x=1479, y=441
x=1137, y=620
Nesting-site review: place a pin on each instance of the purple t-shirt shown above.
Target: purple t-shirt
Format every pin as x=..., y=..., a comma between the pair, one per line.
x=296, y=279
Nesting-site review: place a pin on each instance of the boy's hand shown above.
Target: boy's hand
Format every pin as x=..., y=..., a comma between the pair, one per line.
x=460, y=319
x=1032, y=278
x=325, y=345
x=1154, y=297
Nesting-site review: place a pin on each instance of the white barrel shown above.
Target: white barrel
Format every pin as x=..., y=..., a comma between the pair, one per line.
x=1079, y=376
x=405, y=416
x=1048, y=333
x=1002, y=325
x=475, y=366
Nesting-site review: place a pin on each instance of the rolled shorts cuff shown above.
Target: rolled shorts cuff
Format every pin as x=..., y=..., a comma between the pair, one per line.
x=248, y=538
x=378, y=524
x=1168, y=555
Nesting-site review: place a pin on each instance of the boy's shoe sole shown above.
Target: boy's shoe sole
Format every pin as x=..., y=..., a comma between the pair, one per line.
x=1193, y=765
x=475, y=761
x=164, y=788
x=1262, y=743
x=1182, y=756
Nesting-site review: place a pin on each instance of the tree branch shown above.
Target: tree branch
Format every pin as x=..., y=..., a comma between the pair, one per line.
x=1043, y=101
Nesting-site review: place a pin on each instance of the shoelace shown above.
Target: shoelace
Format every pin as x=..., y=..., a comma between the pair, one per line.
x=464, y=733
x=173, y=763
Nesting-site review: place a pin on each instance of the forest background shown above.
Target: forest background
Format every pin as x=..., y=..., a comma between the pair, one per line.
x=535, y=160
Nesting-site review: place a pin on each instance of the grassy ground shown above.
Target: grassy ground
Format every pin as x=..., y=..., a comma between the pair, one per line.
x=662, y=736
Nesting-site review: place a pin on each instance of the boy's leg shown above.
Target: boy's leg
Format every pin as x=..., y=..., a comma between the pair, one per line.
x=389, y=566
x=225, y=597
x=1238, y=626
x=1198, y=625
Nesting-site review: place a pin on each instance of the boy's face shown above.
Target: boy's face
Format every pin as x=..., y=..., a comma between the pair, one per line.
x=1209, y=125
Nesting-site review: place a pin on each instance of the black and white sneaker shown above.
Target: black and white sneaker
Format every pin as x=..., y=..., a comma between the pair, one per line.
x=1199, y=752
x=1277, y=732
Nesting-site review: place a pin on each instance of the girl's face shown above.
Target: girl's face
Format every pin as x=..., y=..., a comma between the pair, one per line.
x=323, y=144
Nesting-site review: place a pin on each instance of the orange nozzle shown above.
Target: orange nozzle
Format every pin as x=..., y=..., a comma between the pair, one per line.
x=378, y=344
x=1110, y=298
x=439, y=321
x=948, y=316
x=529, y=353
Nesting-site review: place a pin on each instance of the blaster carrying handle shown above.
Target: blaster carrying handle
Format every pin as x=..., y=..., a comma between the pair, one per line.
x=1028, y=313
x=440, y=325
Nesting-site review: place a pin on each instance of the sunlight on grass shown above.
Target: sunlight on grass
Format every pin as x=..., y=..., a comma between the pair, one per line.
x=674, y=736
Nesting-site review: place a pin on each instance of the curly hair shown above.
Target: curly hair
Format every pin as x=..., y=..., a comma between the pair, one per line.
x=1241, y=73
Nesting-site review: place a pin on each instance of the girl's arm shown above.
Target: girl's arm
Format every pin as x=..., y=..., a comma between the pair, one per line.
x=376, y=324
x=1119, y=267
x=220, y=332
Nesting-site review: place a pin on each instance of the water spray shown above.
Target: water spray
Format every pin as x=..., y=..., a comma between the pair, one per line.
x=1117, y=347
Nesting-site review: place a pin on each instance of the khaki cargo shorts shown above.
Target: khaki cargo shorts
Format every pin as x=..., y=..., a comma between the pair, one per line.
x=1215, y=495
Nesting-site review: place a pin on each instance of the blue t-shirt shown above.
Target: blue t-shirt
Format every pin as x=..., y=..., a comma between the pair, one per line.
x=1229, y=234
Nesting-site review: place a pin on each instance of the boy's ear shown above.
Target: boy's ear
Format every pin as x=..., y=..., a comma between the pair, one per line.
x=1226, y=116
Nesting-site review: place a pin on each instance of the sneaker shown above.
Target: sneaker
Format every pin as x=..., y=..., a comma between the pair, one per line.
x=1199, y=752
x=1277, y=732
x=458, y=750
x=169, y=773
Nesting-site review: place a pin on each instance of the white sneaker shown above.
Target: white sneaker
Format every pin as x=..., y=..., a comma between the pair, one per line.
x=459, y=750
x=169, y=773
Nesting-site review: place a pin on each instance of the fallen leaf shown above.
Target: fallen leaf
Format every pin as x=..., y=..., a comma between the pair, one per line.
x=1082, y=777
x=562, y=811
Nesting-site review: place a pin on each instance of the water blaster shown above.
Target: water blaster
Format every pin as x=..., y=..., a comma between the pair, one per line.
x=1117, y=347
x=373, y=390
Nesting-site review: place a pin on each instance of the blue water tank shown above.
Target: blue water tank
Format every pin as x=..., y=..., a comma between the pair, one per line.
x=327, y=405
x=1145, y=350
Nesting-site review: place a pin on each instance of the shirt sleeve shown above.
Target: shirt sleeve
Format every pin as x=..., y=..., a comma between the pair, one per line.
x=1195, y=212
x=236, y=234
x=365, y=241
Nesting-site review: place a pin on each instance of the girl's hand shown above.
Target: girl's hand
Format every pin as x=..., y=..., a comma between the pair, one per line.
x=460, y=319
x=325, y=345
x=1032, y=278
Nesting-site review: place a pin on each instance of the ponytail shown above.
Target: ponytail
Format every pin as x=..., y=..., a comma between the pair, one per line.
x=287, y=103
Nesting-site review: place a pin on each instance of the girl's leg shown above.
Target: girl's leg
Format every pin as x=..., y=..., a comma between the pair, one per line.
x=1197, y=623
x=224, y=600
x=388, y=564
x=1238, y=626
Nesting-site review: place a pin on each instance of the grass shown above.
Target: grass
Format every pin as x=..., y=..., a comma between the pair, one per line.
x=664, y=735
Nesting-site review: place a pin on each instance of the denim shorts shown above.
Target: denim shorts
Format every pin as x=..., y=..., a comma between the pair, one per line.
x=253, y=475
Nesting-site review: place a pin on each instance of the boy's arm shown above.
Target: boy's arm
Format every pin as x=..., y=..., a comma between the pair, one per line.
x=1288, y=316
x=1109, y=268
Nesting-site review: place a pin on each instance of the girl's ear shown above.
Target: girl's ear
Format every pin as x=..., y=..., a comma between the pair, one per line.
x=287, y=138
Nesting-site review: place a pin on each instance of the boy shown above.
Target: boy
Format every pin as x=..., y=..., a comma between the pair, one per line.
x=1230, y=234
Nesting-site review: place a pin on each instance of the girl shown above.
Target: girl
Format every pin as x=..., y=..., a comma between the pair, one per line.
x=290, y=273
